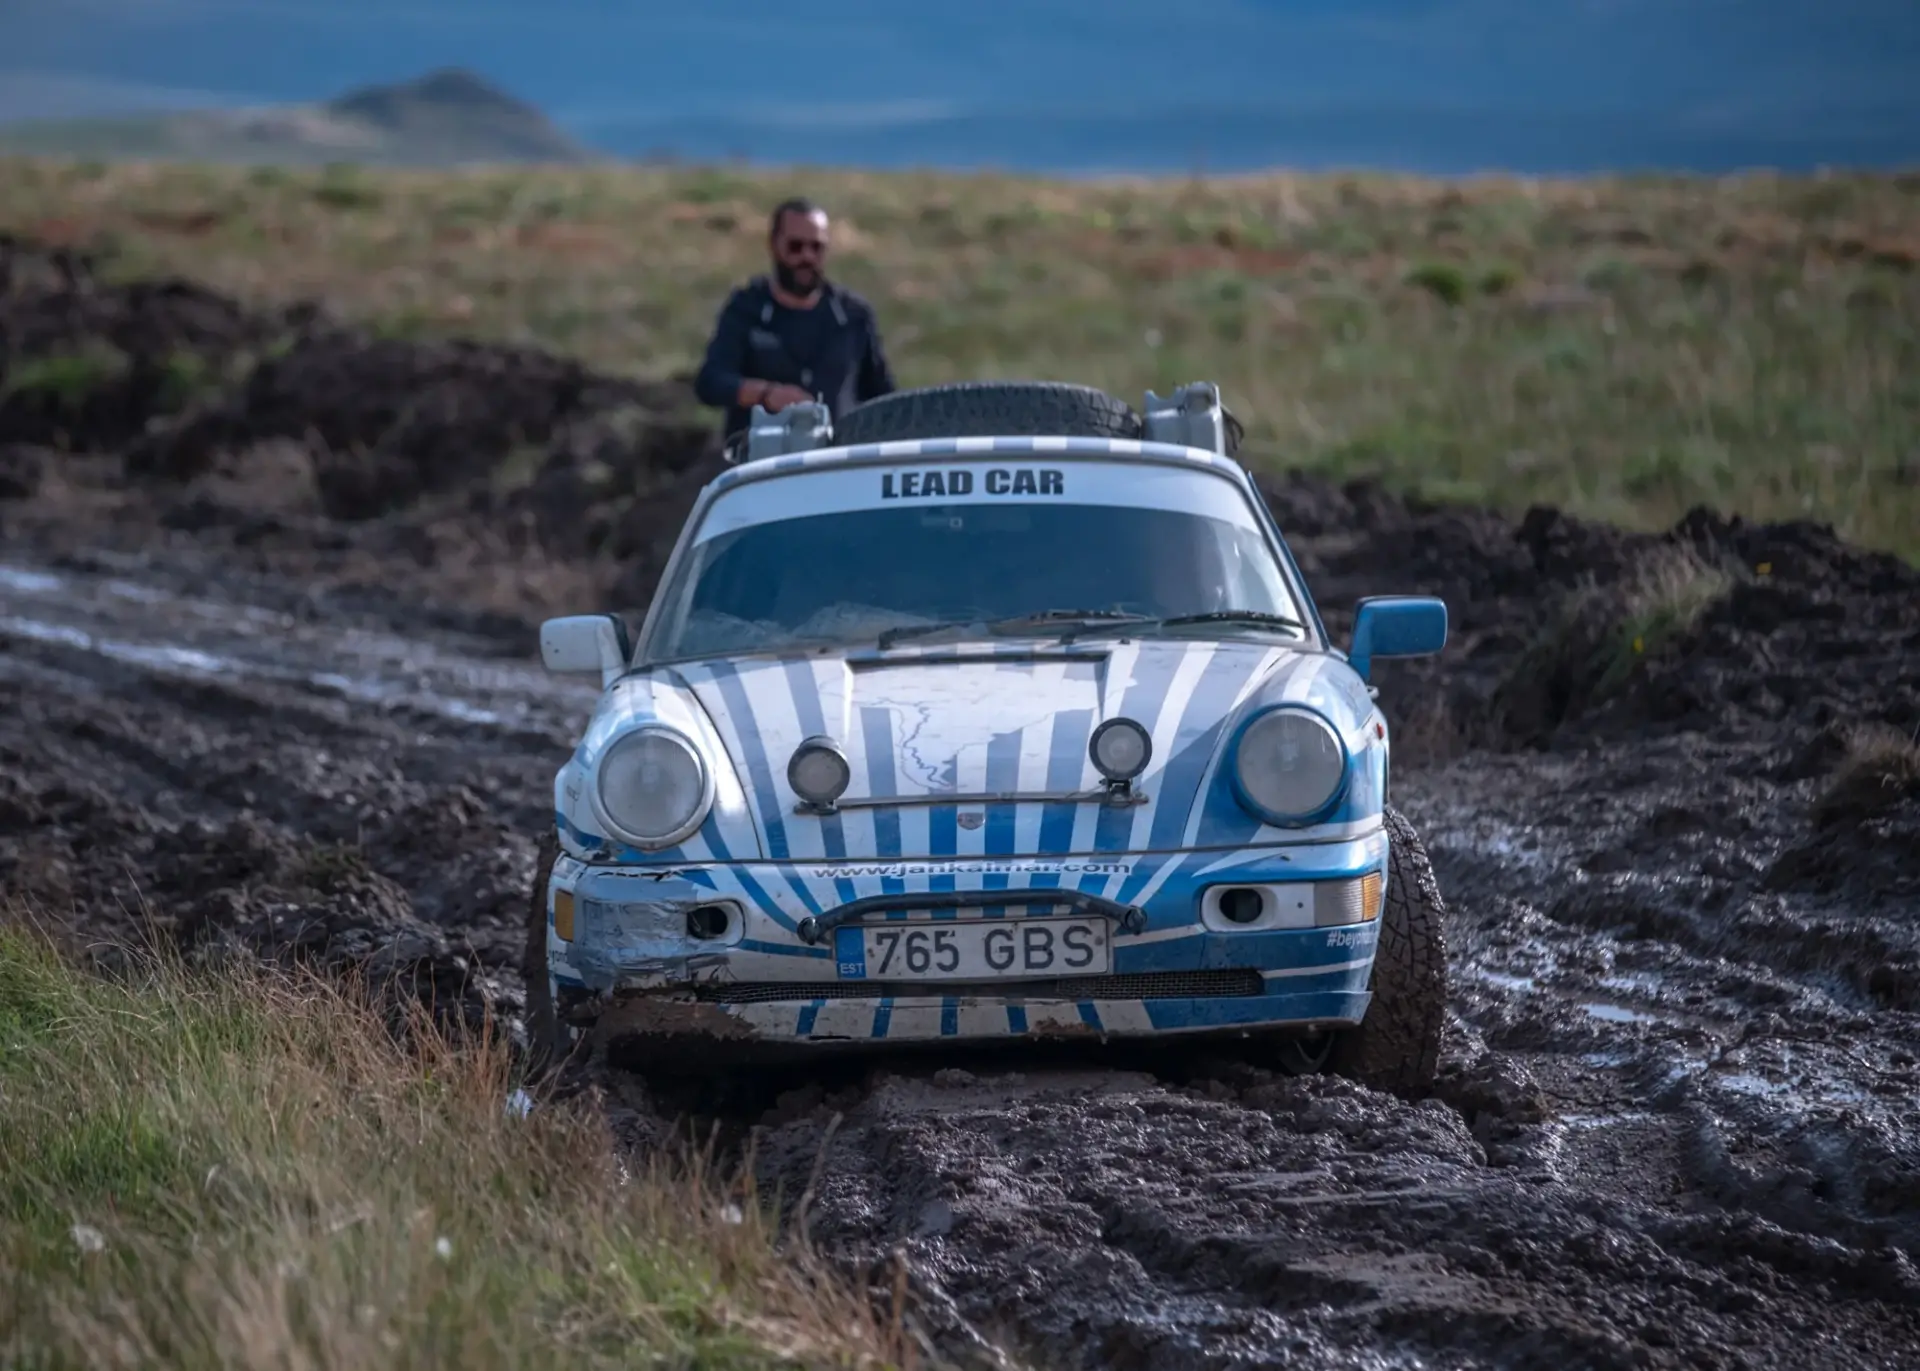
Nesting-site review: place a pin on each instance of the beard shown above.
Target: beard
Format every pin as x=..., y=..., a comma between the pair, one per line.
x=798, y=279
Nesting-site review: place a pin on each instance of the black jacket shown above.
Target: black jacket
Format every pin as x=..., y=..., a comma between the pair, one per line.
x=831, y=351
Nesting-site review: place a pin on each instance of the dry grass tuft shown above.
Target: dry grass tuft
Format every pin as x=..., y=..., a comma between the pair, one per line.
x=246, y=1170
x=1879, y=769
x=1662, y=601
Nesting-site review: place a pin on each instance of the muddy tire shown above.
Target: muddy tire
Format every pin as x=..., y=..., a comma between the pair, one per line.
x=1397, y=1046
x=547, y=1043
x=975, y=409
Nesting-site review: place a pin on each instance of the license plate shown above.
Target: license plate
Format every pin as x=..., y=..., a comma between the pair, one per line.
x=992, y=950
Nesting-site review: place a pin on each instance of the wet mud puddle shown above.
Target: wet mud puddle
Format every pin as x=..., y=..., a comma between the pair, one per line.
x=195, y=637
x=1677, y=1124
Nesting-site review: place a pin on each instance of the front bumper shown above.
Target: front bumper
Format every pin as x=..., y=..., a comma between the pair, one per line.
x=621, y=953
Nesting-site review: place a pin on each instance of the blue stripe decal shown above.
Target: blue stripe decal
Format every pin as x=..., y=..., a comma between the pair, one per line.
x=1193, y=743
x=761, y=899
x=1169, y=910
x=1016, y=1018
x=1090, y=1014
x=633, y=856
x=949, y=1017
x=1154, y=668
x=809, y=1014
x=943, y=826
x=747, y=730
x=876, y=735
x=1066, y=764
x=720, y=857
x=1003, y=777
x=813, y=723
x=882, y=1018
x=1168, y=1015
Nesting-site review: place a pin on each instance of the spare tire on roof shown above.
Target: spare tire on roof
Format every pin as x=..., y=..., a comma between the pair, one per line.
x=978, y=409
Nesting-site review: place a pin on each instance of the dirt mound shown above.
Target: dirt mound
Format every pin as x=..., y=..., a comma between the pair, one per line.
x=1566, y=631
x=390, y=421
x=311, y=449
x=86, y=363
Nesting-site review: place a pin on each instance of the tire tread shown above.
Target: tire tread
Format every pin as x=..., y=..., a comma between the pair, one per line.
x=1397, y=1046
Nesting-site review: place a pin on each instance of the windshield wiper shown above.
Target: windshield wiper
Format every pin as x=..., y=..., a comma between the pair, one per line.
x=1213, y=616
x=1040, y=618
x=1234, y=616
x=899, y=633
x=1043, y=618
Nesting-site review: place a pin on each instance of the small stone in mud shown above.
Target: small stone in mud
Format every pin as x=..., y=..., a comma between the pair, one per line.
x=954, y=1077
x=936, y=1220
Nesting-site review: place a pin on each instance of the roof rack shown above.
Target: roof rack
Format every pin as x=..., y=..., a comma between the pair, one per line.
x=1190, y=417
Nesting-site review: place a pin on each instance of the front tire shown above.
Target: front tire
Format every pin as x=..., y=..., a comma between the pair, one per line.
x=1397, y=1046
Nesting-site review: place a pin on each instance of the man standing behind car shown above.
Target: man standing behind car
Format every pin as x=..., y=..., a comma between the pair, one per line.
x=793, y=337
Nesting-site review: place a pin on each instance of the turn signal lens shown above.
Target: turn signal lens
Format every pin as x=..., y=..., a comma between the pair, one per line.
x=563, y=915
x=1370, y=887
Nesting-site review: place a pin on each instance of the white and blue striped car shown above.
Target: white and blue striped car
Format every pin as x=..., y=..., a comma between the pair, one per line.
x=996, y=736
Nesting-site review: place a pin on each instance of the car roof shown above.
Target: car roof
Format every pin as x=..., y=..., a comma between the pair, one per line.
x=911, y=449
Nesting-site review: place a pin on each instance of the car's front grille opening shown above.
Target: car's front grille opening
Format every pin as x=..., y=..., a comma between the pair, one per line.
x=1154, y=985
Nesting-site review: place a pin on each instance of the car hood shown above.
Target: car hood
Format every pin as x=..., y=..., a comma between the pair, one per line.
x=924, y=729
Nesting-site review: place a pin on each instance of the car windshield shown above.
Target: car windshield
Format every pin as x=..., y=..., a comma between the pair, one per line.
x=846, y=577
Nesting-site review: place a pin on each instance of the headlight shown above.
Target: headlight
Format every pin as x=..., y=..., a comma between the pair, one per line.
x=653, y=787
x=818, y=771
x=1289, y=765
x=1120, y=749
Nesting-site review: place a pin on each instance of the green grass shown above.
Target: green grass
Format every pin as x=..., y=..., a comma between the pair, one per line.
x=1624, y=348
x=65, y=381
x=230, y=1168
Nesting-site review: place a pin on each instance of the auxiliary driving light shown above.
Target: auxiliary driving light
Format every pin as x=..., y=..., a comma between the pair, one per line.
x=1120, y=749
x=818, y=771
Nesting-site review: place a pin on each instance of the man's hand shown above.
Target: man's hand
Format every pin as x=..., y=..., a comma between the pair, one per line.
x=771, y=397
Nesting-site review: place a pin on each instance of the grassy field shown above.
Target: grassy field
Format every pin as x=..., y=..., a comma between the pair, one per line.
x=1626, y=349
x=240, y=1171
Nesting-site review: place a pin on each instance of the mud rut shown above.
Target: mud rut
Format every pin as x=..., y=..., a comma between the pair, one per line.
x=1656, y=1144
x=297, y=713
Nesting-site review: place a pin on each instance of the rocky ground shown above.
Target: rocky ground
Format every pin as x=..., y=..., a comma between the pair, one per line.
x=267, y=685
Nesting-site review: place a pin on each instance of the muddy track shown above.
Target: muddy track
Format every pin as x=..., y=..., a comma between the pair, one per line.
x=1676, y=1126
x=1680, y=1100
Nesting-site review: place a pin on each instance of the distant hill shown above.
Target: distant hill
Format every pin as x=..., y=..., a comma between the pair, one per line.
x=445, y=118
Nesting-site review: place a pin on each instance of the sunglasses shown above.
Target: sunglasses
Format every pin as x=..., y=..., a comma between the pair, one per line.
x=794, y=247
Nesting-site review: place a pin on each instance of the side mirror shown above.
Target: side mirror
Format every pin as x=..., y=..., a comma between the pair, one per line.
x=586, y=643
x=1396, y=626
